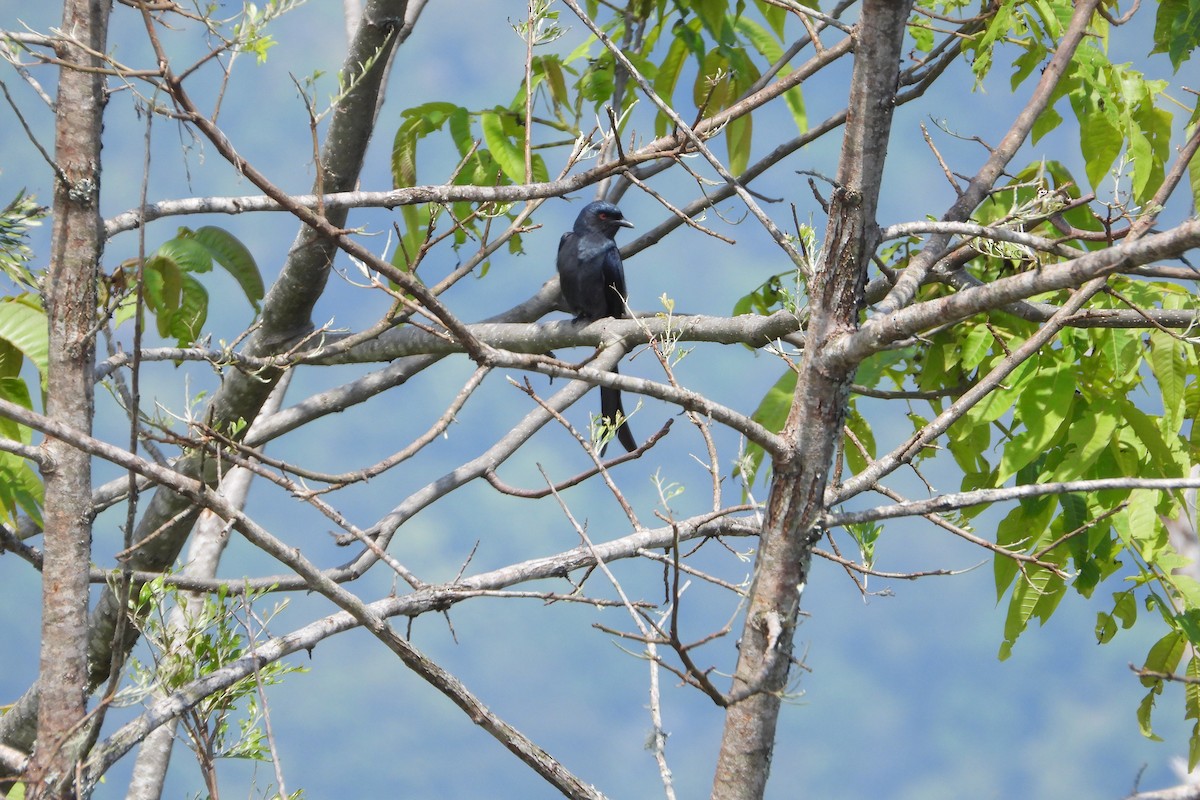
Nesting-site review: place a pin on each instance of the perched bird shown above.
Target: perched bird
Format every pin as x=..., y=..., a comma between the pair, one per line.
x=592, y=279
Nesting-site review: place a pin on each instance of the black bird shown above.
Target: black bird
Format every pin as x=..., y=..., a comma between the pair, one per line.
x=592, y=279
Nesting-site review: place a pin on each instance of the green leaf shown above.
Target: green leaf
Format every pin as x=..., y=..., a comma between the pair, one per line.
x=1036, y=596
x=668, y=76
x=1117, y=359
x=228, y=251
x=1177, y=30
x=510, y=158
x=712, y=89
x=23, y=326
x=1047, y=121
x=772, y=413
x=1170, y=369
x=1101, y=143
x=997, y=403
x=1042, y=407
x=15, y=390
x=162, y=287
x=1165, y=459
x=1145, y=709
x=20, y=488
x=738, y=133
x=1139, y=528
x=984, y=42
x=550, y=68
x=1125, y=608
x=460, y=131
x=1090, y=432
x=758, y=37
x=417, y=123
x=1164, y=656
x=186, y=253
x=1021, y=530
x=1194, y=173
x=976, y=347
x=857, y=426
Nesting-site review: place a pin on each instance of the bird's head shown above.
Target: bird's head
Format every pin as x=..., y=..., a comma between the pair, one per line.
x=601, y=217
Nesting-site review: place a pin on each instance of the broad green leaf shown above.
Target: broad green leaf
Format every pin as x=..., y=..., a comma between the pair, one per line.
x=1036, y=595
x=1117, y=359
x=1145, y=709
x=1177, y=30
x=1164, y=656
x=668, y=77
x=417, y=123
x=1169, y=364
x=758, y=37
x=1194, y=174
x=1165, y=456
x=15, y=390
x=510, y=158
x=162, y=288
x=1042, y=407
x=861, y=430
x=1138, y=524
x=1022, y=529
x=1125, y=608
x=776, y=16
x=772, y=414
x=1189, y=623
x=1047, y=121
x=1090, y=432
x=997, y=404
x=976, y=347
x=228, y=251
x=1101, y=143
x=404, y=157
x=20, y=488
x=712, y=89
x=186, y=252
x=23, y=326
x=193, y=311
x=460, y=131
x=983, y=43
x=550, y=68
x=968, y=444
x=738, y=134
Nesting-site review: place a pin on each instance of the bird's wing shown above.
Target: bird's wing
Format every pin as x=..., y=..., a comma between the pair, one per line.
x=615, y=294
x=569, y=273
x=581, y=277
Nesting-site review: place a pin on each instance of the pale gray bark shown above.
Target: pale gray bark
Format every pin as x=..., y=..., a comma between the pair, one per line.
x=70, y=296
x=796, y=501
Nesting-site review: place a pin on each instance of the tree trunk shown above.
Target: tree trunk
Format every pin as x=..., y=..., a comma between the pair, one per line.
x=70, y=296
x=797, y=498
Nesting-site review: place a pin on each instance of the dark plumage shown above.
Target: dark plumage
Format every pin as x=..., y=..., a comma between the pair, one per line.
x=592, y=279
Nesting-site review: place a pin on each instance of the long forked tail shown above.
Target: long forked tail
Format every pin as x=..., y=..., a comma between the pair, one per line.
x=611, y=409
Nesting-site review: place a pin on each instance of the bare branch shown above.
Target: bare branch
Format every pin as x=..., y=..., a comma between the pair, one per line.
x=957, y=500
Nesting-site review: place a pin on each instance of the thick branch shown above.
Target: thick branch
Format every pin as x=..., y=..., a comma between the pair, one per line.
x=796, y=501
x=76, y=245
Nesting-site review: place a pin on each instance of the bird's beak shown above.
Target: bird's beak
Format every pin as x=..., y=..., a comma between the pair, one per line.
x=624, y=223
